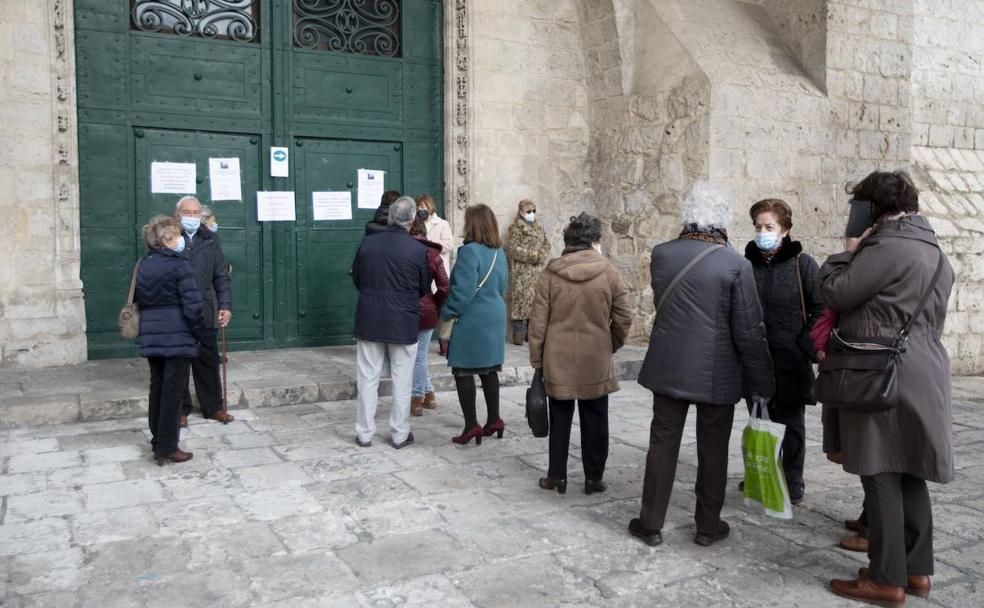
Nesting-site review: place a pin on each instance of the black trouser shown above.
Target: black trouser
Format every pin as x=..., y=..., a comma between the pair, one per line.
x=593, y=414
x=208, y=381
x=900, y=527
x=713, y=433
x=465, y=386
x=168, y=382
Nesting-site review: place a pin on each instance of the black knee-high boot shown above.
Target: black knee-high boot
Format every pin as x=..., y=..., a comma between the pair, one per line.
x=490, y=388
x=465, y=386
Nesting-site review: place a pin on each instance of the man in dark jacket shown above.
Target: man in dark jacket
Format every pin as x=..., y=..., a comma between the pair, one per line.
x=204, y=250
x=707, y=331
x=380, y=219
x=390, y=272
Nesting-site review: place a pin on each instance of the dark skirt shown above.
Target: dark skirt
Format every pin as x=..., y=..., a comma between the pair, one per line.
x=459, y=372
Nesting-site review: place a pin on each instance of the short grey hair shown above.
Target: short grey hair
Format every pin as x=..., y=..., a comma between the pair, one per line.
x=706, y=206
x=402, y=212
x=207, y=212
x=159, y=230
x=185, y=199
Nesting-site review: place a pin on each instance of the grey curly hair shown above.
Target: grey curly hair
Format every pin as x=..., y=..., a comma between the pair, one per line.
x=706, y=206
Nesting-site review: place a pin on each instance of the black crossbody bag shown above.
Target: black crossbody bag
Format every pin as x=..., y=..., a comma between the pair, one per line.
x=861, y=375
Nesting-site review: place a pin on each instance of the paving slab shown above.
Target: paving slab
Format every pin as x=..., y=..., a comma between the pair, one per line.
x=115, y=389
x=282, y=510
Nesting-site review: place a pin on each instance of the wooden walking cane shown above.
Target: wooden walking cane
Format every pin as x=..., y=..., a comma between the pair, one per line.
x=225, y=403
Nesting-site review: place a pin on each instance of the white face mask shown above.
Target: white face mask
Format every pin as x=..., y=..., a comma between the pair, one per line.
x=597, y=247
x=529, y=217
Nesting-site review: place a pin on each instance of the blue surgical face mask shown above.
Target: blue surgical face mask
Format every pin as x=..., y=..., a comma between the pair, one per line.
x=191, y=224
x=767, y=241
x=179, y=247
x=213, y=227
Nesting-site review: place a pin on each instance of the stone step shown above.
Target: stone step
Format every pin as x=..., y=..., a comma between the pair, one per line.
x=117, y=388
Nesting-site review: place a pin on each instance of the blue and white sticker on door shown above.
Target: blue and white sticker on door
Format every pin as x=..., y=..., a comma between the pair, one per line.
x=279, y=162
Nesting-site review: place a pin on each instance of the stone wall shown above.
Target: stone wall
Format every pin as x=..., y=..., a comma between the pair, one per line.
x=948, y=74
x=41, y=313
x=528, y=110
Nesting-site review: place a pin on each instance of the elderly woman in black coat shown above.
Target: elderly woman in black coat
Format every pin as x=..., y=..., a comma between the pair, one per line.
x=171, y=326
x=786, y=279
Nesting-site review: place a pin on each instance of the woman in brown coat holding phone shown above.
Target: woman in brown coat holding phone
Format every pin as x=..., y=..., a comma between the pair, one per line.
x=876, y=286
x=580, y=317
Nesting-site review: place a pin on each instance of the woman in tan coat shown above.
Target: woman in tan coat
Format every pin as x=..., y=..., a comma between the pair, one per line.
x=528, y=247
x=580, y=318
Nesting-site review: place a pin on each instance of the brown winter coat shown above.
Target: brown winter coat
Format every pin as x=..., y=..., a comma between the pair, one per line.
x=875, y=290
x=580, y=317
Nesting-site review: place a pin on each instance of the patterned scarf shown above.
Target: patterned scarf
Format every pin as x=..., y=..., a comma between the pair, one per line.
x=710, y=235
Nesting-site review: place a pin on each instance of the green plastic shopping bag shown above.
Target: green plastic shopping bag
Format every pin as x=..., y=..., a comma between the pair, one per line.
x=765, y=482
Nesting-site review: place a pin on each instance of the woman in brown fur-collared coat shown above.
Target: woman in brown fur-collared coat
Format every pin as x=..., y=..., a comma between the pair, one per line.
x=875, y=286
x=527, y=246
x=580, y=317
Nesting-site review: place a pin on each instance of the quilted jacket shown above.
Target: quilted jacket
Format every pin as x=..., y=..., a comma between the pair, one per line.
x=171, y=323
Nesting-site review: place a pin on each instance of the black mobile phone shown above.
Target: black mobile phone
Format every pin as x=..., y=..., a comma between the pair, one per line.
x=861, y=218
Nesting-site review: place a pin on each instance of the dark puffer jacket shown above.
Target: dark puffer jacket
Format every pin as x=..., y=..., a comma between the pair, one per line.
x=431, y=303
x=709, y=330
x=789, y=340
x=390, y=272
x=171, y=323
x=212, y=273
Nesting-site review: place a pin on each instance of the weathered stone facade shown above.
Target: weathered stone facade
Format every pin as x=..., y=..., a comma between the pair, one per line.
x=41, y=312
x=610, y=106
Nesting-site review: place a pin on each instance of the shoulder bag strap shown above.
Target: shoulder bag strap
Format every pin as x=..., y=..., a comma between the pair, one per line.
x=489, y=273
x=133, y=283
x=799, y=279
x=904, y=334
x=681, y=274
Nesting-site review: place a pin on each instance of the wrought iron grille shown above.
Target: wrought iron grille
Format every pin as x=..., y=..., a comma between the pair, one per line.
x=224, y=19
x=365, y=27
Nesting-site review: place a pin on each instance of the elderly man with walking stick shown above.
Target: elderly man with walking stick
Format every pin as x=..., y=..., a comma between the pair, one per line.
x=204, y=250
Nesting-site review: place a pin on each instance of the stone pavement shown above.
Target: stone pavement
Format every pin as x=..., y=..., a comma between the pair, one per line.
x=282, y=509
x=117, y=388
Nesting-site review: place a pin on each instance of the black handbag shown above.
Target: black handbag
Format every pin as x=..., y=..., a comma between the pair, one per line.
x=536, y=406
x=861, y=375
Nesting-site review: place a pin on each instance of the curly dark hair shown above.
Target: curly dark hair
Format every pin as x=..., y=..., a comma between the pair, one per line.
x=583, y=230
x=890, y=192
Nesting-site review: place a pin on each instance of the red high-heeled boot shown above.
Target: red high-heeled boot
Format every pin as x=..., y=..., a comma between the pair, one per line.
x=473, y=433
x=493, y=428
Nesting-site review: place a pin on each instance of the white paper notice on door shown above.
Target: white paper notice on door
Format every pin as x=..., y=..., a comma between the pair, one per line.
x=332, y=205
x=275, y=206
x=172, y=178
x=223, y=177
x=372, y=184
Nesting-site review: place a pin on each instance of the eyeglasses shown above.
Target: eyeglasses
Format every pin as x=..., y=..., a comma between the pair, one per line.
x=533, y=210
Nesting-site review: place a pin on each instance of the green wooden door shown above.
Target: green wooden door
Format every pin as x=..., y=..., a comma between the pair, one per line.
x=344, y=84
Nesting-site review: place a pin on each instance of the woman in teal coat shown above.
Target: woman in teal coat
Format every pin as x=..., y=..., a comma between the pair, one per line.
x=478, y=281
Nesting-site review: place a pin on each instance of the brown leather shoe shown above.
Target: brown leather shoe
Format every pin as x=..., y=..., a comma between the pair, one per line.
x=222, y=416
x=175, y=456
x=915, y=584
x=867, y=590
x=416, y=406
x=183, y=422
x=430, y=400
x=855, y=543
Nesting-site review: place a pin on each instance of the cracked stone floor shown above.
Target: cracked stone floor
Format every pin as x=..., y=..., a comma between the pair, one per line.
x=282, y=509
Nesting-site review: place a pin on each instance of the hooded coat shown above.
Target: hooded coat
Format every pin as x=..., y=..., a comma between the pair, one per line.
x=580, y=317
x=779, y=292
x=875, y=290
x=528, y=248
x=709, y=334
